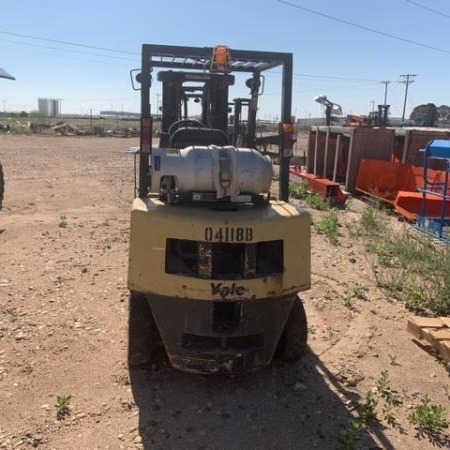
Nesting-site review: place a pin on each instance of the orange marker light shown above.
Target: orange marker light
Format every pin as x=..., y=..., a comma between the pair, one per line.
x=288, y=137
x=146, y=134
x=221, y=56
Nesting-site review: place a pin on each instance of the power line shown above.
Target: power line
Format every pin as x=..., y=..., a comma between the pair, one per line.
x=26, y=50
x=333, y=88
x=409, y=78
x=435, y=11
x=75, y=44
x=363, y=27
x=333, y=78
x=79, y=52
x=324, y=77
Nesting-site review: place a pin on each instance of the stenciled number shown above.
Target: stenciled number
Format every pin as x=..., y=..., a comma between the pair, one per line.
x=229, y=234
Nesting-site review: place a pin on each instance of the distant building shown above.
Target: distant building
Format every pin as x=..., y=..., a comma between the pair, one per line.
x=49, y=107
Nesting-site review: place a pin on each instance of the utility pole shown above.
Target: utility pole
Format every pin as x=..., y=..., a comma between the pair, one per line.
x=385, y=82
x=373, y=105
x=409, y=78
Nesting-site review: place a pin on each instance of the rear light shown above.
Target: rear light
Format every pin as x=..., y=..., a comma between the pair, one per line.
x=221, y=58
x=146, y=134
x=287, y=139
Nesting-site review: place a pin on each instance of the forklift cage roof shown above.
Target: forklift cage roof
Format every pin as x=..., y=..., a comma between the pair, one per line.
x=200, y=58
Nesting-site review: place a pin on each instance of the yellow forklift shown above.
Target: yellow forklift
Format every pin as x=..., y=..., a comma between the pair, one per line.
x=216, y=263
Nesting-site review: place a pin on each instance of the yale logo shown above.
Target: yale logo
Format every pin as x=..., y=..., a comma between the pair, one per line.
x=227, y=291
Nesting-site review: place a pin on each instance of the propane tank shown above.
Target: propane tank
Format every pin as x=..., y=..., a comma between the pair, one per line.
x=227, y=171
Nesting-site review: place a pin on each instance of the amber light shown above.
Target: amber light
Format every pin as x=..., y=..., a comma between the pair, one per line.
x=288, y=136
x=221, y=55
x=146, y=131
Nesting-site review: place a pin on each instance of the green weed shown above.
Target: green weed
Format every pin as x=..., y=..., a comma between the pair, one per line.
x=368, y=411
x=62, y=222
x=316, y=202
x=63, y=406
x=298, y=190
x=356, y=293
x=416, y=297
x=329, y=226
x=410, y=269
x=429, y=419
x=351, y=435
x=372, y=221
x=366, y=414
x=391, y=399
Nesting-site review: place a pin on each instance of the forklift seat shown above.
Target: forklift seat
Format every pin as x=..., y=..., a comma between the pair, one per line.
x=187, y=136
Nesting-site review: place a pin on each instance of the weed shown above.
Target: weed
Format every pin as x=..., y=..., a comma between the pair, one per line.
x=366, y=414
x=391, y=398
x=351, y=435
x=328, y=226
x=368, y=410
x=13, y=313
x=412, y=270
x=349, y=302
x=349, y=203
x=356, y=293
x=415, y=297
x=62, y=222
x=428, y=418
x=371, y=222
x=63, y=406
x=393, y=281
x=298, y=190
x=316, y=202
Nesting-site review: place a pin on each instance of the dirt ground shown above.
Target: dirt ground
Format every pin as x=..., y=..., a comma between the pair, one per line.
x=63, y=311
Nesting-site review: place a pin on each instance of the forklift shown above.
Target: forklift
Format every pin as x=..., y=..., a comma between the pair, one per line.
x=216, y=263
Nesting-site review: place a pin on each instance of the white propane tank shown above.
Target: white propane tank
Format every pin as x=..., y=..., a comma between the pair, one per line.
x=227, y=171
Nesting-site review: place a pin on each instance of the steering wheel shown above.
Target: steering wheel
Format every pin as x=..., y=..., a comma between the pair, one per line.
x=184, y=123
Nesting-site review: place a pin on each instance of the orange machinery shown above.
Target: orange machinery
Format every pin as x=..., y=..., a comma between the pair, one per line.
x=399, y=184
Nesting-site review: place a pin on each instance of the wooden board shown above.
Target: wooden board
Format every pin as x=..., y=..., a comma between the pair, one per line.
x=435, y=330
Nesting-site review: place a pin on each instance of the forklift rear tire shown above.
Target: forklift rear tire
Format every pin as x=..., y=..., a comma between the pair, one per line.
x=293, y=342
x=141, y=329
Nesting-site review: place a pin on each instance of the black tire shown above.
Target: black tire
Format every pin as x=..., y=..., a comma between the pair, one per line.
x=2, y=185
x=294, y=340
x=141, y=330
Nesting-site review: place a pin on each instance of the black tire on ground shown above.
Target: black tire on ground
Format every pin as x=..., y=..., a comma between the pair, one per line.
x=141, y=330
x=293, y=342
x=2, y=185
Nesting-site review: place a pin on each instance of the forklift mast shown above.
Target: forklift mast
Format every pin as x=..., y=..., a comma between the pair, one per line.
x=205, y=74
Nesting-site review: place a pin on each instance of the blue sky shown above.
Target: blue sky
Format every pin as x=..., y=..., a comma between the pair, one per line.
x=344, y=62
